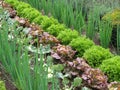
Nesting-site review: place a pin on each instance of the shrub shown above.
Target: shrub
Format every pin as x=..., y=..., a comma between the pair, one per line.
x=67, y=35
x=2, y=85
x=113, y=16
x=47, y=22
x=55, y=29
x=111, y=67
x=96, y=54
x=81, y=44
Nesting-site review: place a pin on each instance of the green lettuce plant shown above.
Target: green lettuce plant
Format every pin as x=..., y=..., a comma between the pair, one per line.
x=67, y=36
x=14, y=3
x=96, y=54
x=2, y=85
x=111, y=67
x=55, y=29
x=32, y=14
x=47, y=22
x=38, y=20
x=81, y=44
x=21, y=6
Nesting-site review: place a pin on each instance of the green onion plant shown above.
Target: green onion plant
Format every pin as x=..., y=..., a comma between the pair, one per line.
x=17, y=60
x=105, y=33
x=118, y=39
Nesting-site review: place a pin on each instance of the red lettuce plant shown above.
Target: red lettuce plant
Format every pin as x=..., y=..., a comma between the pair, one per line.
x=63, y=53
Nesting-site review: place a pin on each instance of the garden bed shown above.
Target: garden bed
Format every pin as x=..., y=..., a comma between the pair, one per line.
x=70, y=71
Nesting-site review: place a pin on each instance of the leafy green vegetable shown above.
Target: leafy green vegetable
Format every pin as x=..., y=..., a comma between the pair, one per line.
x=38, y=20
x=55, y=29
x=111, y=67
x=96, y=54
x=2, y=85
x=21, y=6
x=47, y=22
x=32, y=13
x=12, y=2
x=81, y=44
x=77, y=82
x=58, y=67
x=67, y=36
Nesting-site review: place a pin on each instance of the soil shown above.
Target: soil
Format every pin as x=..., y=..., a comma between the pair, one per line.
x=6, y=78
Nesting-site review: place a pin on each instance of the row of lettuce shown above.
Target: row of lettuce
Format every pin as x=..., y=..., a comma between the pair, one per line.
x=96, y=56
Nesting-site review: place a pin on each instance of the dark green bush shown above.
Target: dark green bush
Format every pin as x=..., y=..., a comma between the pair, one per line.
x=81, y=44
x=67, y=35
x=2, y=85
x=96, y=54
x=47, y=22
x=55, y=29
x=111, y=67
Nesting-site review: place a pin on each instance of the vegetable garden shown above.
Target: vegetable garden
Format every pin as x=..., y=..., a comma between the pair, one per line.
x=59, y=45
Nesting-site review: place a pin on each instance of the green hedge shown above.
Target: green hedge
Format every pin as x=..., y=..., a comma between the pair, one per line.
x=81, y=44
x=111, y=67
x=96, y=54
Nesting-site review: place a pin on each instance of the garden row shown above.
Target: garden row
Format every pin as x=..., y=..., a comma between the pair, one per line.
x=94, y=55
x=85, y=16
x=10, y=25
